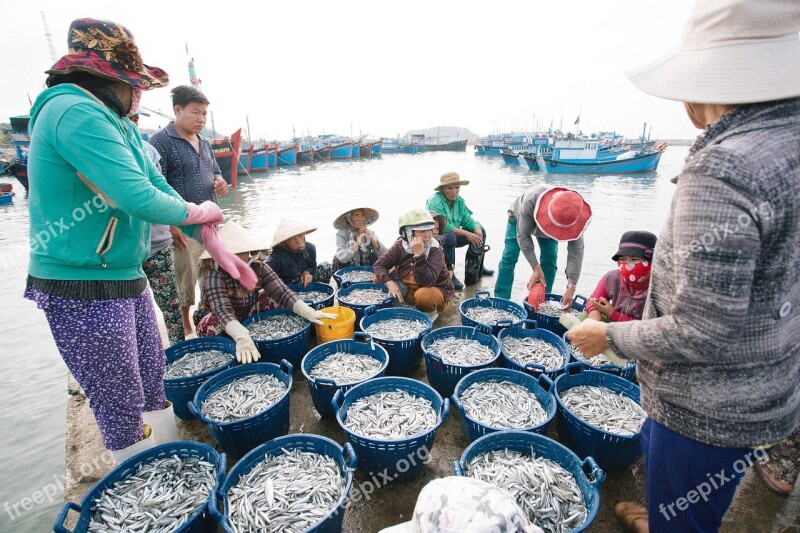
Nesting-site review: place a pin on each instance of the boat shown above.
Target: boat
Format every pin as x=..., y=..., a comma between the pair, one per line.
x=395, y=146
x=253, y=158
x=6, y=197
x=579, y=156
x=454, y=146
x=305, y=154
x=355, y=150
x=287, y=155
x=21, y=141
x=365, y=149
x=531, y=161
x=511, y=158
x=226, y=152
x=343, y=150
x=377, y=147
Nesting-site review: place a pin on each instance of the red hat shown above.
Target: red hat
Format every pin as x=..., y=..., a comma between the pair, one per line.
x=562, y=214
x=107, y=49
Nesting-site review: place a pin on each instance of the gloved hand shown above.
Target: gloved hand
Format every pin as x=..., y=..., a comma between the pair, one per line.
x=304, y=310
x=234, y=266
x=246, y=351
x=205, y=213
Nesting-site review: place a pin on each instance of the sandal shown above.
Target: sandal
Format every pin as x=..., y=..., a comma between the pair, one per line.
x=633, y=515
x=773, y=484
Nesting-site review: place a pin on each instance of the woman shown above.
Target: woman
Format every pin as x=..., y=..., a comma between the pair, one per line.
x=293, y=259
x=356, y=245
x=719, y=343
x=89, y=173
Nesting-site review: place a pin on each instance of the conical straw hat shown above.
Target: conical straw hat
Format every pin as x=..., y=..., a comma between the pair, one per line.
x=289, y=228
x=370, y=214
x=237, y=240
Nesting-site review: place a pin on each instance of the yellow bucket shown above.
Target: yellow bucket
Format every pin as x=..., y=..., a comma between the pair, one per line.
x=341, y=327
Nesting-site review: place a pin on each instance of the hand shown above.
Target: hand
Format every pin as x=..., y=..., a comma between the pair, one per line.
x=417, y=245
x=306, y=278
x=537, y=275
x=220, y=186
x=589, y=337
x=300, y=308
x=179, y=238
x=238, y=269
x=566, y=298
x=605, y=307
x=394, y=290
x=205, y=213
x=475, y=239
x=246, y=351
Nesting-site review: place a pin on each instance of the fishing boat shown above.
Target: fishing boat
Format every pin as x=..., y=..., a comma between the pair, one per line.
x=454, y=146
x=342, y=150
x=511, y=158
x=226, y=152
x=365, y=149
x=377, y=147
x=585, y=157
x=287, y=155
x=355, y=152
x=21, y=141
x=396, y=146
x=305, y=154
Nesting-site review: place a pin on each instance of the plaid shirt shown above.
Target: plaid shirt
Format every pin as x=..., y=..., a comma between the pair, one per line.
x=228, y=300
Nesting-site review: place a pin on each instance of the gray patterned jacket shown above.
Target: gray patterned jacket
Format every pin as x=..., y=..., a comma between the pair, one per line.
x=719, y=343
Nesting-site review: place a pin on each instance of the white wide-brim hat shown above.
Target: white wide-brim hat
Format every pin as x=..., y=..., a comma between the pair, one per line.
x=343, y=220
x=731, y=52
x=237, y=240
x=289, y=228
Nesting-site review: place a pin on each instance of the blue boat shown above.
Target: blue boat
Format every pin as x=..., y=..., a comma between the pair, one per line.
x=377, y=147
x=287, y=155
x=511, y=158
x=342, y=151
x=630, y=161
x=305, y=154
x=253, y=159
x=272, y=156
x=356, y=149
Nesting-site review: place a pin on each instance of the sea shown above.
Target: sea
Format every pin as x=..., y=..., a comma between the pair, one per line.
x=33, y=395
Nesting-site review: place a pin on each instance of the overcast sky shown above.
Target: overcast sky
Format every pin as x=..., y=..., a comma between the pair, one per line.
x=380, y=68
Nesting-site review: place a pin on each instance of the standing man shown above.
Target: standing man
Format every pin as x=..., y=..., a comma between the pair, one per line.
x=188, y=163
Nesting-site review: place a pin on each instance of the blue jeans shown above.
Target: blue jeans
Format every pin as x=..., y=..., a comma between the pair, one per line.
x=548, y=260
x=450, y=242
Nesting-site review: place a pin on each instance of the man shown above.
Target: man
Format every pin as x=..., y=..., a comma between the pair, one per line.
x=461, y=229
x=188, y=163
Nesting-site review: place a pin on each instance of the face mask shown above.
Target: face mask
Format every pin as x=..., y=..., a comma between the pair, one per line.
x=258, y=257
x=136, y=97
x=635, y=272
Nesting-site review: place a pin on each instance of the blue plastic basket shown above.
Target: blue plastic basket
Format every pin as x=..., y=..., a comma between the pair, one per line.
x=587, y=474
x=400, y=460
x=482, y=299
x=358, y=309
x=291, y=348
x=181, y=390
x=549, y=322
x=541, y=387
x=199, y=522
x=344, y=457
x=443, y=376
x=404, y=354
x=238, y=437
x=323, y=389
x=6, y=197
x=338, y=274
x=628, y=372
x=298, y=289
x=529, y=328
x=612, y=451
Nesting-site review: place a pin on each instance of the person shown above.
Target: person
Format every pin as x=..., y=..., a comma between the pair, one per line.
x=461, y=229
x=225, y=303
x=86, y=275
x=413, y=268
x=293, y=259
x=158, y=267
x=719, y=341
x=356, y=244
x=620, y=294
x=439, y=225
x=552, y=215
x=779, y=468
x=188, y=163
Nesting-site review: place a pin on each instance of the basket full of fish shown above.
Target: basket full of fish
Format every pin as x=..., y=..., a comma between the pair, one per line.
x=452, y=352
x=497, y=399
x=318, y=295
x=291, y=484
x=354, y=274
x=360, y=296
x=400, y=331
x=279, y=334
x=550, y=311
x=391, y=423
x=341, y=365
x=529, y=348
x=600, y=362
x=599, y=415
x=163, y=489
x=245, y=405
x=191, y=363
x=497, y=313
x=558, y=492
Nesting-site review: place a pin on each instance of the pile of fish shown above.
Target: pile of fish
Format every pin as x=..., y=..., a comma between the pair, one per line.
x=161, y=496
x=345, y=368
x=243, y=398
x=194, y=363
x=597, y=360
x=461, y=352
x=490, y=315
x=524, y=350
x=604, y=409
x=364, y=297
x=358, y=276
x=542, y=488
x=276, y=327
x=287, y=492
x=313, y=296
x=396, y=329
x=390, y=415
x=502, y=404
x=550, y=308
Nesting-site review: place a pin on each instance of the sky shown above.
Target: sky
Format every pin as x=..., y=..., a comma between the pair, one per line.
x=357, y=67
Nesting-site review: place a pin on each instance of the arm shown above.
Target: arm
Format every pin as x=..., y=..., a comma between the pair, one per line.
x=525, y=229
x=344, y=252
x=599, y=292
x=466, y=220
x=273, y=286
x=427, y=269
x=574, y=260
x=438, y=204
x=216, y=290
x=386, y=262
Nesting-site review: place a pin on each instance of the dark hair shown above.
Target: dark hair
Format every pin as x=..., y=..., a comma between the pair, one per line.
x=440, y=220
x=183, y=95
x=96, y=85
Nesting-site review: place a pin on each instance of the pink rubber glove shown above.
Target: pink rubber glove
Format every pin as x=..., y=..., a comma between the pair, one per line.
x=205, y=213
x=229, y=262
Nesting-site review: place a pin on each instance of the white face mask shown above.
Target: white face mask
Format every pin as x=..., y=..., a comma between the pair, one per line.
x=260, y=256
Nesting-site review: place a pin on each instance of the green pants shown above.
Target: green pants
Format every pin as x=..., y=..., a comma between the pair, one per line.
x=548, y=260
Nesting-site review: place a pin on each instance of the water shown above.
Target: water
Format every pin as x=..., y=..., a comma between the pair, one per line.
x=34, y=378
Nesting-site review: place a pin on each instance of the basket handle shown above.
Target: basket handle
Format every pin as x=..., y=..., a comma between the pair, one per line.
x=534, y=370
x=445, y=409
x=222, y=465
x=195, y=412
x=594, y=474
x=350, y=456
x=505, y=323
x=345, y=284
x=611, y=369
x=371, y=310
x=325, y=382
x=458, y=405
x=457, y=468
x=213, y=508
x=59, y=527
x=337, y=401
x=526, y=324
x=387, y=300
x=360, y=336
x=423, y=333
x=287, y=367
x=482, y=295
x=580, y=300
x=545, y=382
x=574, y=369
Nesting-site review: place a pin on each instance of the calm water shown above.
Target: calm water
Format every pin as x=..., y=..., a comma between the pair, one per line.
x=33, y=395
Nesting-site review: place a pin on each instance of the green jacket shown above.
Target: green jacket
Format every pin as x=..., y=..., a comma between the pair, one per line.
x=72, y=231
x=459, y=216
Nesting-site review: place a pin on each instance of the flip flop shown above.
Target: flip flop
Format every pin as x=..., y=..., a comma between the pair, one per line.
x=630, y=513
x=773, y=484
